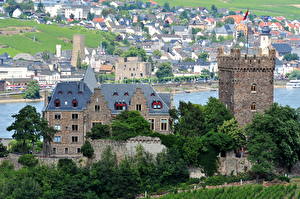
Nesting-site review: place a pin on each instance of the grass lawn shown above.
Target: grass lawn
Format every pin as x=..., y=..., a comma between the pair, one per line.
x=287, y=8
x=46, y=37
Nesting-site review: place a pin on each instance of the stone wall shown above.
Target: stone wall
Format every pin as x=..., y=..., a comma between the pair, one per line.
x=128, y=148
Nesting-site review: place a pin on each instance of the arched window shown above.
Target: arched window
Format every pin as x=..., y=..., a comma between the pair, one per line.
x=115, y=94
x=253, y=88
x=60, y=92
x=157, y=105
x=69, y=92
x=57, y=103
x=126, y=94
x=74, y=103
x=152, y=94
x=253, y=106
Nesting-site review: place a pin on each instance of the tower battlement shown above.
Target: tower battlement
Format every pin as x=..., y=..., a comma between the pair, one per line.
x=235, y=60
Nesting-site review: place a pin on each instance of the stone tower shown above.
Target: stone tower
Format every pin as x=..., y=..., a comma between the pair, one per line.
x=246, y=82
x=78, y=49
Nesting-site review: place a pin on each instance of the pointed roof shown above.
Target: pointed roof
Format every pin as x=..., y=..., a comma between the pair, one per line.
x=90, y=79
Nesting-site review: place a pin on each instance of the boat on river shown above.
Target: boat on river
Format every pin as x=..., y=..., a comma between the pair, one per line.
x=293, y=84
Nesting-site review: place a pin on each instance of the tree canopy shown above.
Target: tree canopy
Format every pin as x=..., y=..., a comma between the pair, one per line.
x=32, y=91
x=274, y=139
x=164, y=70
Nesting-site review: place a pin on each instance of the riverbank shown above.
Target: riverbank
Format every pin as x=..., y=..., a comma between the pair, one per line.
x=13, y=100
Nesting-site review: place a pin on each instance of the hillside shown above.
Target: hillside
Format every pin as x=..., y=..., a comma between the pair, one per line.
x=19, y=36
x=288, y=8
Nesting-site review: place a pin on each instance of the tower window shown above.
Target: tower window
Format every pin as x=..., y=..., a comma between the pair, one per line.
x=66, y=150
x=74, y=139
x=253, y=88
x=253, y=106
x=74, y=127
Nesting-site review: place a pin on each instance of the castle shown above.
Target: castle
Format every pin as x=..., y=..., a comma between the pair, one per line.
x=75, y=107
x=246, y=82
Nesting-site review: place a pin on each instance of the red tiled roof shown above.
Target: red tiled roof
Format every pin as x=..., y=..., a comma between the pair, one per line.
x=98, y=19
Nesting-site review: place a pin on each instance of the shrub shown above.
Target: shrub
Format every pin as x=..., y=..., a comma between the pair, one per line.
x=67, y=165
x=3, y=151
x=28, y=160
x=87, y=149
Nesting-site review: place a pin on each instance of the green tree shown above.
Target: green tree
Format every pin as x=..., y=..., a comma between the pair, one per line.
x=26, y=126
x=166, y=7
x=3, y=151
x=32, y=91
x=195, y=30
x=280, y=127
x=87, y=149
x=215, y=114
x=189, y=119
x=214, y=9
x=90, y=16
x=129, y=124
x=229, y=20
x=28, y=160
x=99, y=131
x=164, y=70
x=157, y=53
x=40, y=7
x=290, y=57
x=232, y=129
x=135, y=52
x=294, y=75
x=47, y=133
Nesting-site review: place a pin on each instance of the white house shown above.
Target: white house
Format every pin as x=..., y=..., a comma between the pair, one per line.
x=17, y=13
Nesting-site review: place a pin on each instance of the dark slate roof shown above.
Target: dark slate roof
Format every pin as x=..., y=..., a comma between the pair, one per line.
x=108, y=91
x=90, y=79
x=282, y=48
x=66, y=92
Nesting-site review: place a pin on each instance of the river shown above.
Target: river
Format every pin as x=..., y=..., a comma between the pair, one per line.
x=283, y=96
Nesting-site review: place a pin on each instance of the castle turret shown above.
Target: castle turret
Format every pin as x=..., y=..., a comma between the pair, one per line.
x=246, y=82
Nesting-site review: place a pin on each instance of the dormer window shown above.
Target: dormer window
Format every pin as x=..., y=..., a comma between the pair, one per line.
x=69, y=92
x=57, y=103
x=60, y=92
x=115, y=94
x=80, y=92
x=120, y=106
x=157, y=105
x=152, y=94
x=74, y=103
x=126, y=94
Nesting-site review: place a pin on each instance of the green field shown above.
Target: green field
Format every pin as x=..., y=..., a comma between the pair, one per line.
x=243, y=192
x=286, y=8
x=46, y=37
